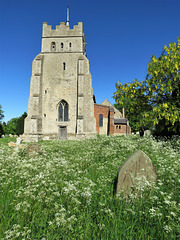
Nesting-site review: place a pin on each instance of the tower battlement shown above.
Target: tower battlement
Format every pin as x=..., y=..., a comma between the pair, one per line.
x=62, y=30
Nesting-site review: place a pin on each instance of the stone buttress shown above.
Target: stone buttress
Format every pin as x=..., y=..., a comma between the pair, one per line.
x=61, y=96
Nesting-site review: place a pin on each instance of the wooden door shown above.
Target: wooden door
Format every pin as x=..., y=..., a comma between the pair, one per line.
x=63, y=132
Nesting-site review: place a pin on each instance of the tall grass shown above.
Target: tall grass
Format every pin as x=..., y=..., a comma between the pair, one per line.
x=66, y=191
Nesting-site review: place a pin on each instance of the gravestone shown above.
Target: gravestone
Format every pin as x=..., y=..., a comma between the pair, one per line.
x=16, y=145
x=32, y=149
x=18, y=141
x=147, y=133
x=136, y=172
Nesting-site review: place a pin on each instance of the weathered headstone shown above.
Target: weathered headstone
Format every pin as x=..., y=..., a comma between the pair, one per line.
x=137, y=170
x=32, y=149
x=16, y=145
x=147, y=133
x=18, y=141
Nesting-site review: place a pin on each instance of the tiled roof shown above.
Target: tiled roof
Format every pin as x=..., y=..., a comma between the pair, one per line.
x=120, y=121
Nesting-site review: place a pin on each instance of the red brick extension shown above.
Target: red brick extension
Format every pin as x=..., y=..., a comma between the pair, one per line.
x=115, y=126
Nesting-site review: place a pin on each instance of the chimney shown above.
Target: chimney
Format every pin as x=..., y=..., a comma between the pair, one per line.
x=123, y=113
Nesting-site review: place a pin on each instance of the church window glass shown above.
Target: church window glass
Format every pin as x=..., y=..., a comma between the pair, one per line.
x=63, y=111
x=53, y=46
x=100, y=120
x=62, y=46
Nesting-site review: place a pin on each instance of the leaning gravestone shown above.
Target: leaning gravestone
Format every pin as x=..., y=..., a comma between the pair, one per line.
x=32, y=149
x=136, y=171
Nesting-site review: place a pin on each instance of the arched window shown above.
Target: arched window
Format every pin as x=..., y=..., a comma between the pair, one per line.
x=63, y=111
x=70, y=46
x=100, y=120
x=64, y=66
x=62, y=46
x=53, y=46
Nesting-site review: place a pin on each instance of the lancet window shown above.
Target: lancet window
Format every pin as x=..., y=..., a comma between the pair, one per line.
x=64, y=66
x=100, y=120
x=53, y=46
x=62, y=46
x=63, y=111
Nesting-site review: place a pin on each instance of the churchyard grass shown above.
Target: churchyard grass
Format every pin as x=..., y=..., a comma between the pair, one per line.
x=5, y=141
x=65, y=191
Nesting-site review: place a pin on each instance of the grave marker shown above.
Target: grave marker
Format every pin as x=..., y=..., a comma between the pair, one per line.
x=33, y=148
x=138, y=169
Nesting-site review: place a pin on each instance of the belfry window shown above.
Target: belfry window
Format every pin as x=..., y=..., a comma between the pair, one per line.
x=100, y=120
x=62, y=46
x=63, y=111
x=64, y=66
x=70, y=46
x=53, y=46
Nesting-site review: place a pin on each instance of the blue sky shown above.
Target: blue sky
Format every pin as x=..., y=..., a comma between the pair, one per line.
x=121, y=37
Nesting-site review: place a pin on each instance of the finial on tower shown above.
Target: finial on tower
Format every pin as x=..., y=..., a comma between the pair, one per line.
x=67, y=22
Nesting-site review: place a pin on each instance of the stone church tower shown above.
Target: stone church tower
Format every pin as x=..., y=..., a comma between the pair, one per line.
x=61, y=96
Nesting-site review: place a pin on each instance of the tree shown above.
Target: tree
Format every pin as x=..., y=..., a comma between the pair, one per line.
x=154, y=102
x=20, y=124
x=132, y=97
x=10, y=127
x=15, y=126
x=1, y=113
x=163, y=90
x=1, y=116
x=1, y=130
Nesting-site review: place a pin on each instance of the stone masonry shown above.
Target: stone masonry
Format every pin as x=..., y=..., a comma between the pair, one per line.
x=61, y=96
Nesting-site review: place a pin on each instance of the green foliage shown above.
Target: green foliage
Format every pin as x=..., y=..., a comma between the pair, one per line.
x=15, y=126
x=163, y=90
x=20, y=124
x=1, y=113
x=155, y=100
x=1, y=130
x=10, y=127
x=66, y=191
x=132, y=97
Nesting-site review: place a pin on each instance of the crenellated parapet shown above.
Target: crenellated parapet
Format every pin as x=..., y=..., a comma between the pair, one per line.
x=62, y=30
x=63, y=39
x=61, y=96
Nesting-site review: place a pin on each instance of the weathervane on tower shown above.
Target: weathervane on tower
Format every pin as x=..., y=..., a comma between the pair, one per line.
x=67, y=22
